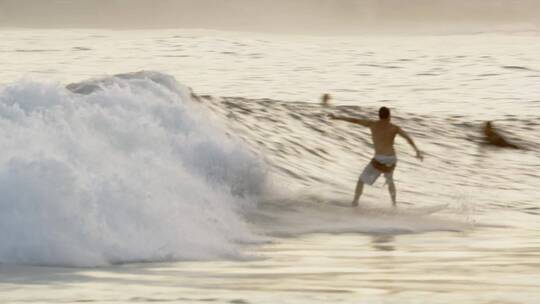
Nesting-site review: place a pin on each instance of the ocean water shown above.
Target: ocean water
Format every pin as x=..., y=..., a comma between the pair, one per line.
x=199, y=166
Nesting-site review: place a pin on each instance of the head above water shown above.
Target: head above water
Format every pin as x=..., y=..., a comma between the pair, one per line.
x=384, y=113
x=325, y=98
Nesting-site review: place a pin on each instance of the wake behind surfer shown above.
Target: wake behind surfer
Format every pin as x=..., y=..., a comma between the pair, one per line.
x=383, y=133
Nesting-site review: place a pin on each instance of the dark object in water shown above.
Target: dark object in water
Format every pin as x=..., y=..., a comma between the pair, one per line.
x=494, y=138
x=325, y=99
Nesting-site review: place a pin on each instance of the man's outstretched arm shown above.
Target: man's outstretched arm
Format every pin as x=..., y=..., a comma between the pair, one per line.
x=404, y=134
x=362, y=122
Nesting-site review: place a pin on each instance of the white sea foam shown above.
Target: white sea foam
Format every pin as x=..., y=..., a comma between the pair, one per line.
x=129, y=170
x=297, y=214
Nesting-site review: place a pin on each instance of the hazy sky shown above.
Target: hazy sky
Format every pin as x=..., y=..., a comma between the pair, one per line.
x=278, y=15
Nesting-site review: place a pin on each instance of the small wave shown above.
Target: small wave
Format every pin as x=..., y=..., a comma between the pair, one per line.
x=428, y=74
x=175, y=56
x=516, y=67
x=488, y=75
x=81, y=48
x=384, y=66
x=35, y=50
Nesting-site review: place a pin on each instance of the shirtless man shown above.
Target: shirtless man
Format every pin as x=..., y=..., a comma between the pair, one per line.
x=383, y=133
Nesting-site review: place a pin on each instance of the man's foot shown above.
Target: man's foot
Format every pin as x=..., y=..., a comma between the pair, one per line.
x=355, y=203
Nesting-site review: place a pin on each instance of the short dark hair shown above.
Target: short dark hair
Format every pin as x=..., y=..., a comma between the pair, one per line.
x=384, y=113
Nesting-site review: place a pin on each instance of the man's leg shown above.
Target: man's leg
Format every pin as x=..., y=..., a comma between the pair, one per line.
x=358, y=191
x=392, y=190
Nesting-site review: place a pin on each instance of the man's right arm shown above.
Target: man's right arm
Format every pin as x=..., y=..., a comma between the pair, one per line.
x=362, y=122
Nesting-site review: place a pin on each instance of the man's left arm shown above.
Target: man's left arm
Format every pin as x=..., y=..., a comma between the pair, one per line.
x=404, y=134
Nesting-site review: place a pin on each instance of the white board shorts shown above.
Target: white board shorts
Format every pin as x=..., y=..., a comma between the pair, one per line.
x=370, y=173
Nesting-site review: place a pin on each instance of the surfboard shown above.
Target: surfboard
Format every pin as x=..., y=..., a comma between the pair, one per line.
x=369, y=208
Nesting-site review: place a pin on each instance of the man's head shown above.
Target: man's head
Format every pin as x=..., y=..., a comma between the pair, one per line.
x=384, y=113
x=488, y=128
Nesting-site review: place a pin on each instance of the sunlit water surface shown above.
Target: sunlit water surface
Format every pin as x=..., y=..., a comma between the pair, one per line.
x=483, y=248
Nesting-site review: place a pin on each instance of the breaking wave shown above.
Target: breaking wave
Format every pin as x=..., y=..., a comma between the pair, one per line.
x=120, y=169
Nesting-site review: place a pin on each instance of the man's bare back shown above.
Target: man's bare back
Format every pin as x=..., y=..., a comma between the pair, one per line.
x=383, y=134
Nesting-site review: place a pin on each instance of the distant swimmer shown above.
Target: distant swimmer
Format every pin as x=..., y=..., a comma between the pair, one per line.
x=325, y=99
x=494, y=138
x=383, y=133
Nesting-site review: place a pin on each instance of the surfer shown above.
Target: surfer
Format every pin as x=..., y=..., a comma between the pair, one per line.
x=383, y=133
x=494, y=138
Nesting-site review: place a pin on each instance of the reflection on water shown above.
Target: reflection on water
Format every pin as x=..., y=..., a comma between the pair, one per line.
x=441, y=89
x=383, y=242
x=446, y=267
